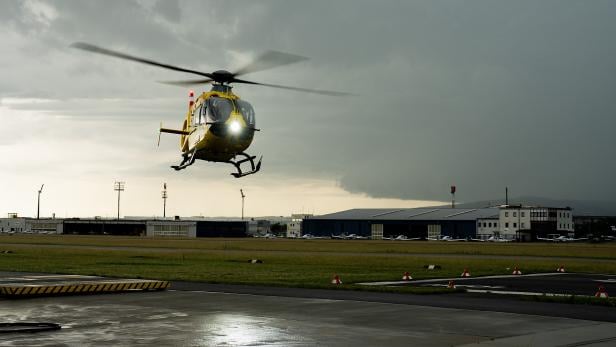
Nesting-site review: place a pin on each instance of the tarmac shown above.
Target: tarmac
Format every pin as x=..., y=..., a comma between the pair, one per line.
x=532, y=284
x=197, y=318
x=201, y=314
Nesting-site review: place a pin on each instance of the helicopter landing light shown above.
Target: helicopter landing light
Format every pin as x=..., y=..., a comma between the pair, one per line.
x=235, y=127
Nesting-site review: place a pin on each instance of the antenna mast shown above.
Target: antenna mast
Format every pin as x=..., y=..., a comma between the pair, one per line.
x=38, y=204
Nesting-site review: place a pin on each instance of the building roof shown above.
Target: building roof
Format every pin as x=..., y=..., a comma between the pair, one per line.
x=432, y=213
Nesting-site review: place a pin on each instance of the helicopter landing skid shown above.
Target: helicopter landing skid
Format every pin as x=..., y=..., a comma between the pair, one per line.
x=189, y=159
x=238, y=163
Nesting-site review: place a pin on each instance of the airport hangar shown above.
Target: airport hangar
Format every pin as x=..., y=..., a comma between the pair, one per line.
x=512, y=222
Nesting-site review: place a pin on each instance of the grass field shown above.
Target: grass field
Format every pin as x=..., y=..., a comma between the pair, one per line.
x=300, y=263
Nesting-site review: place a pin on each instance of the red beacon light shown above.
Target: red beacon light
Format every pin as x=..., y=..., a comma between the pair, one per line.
x=191, y=95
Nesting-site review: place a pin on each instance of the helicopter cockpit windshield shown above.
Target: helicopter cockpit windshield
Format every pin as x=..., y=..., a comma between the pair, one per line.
x=246, y=110
x=219, y=110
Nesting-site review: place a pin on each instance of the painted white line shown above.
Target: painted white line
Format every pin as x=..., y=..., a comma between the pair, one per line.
x=611, y=280
x=507, y=292
x=458, y=279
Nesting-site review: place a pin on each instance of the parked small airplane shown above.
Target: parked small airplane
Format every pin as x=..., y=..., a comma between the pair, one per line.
x=445, y=238
x=562, y=238
x=401, y=238
x=312, y=237
x=265, y=236
x=349, y=237
x=492, y=239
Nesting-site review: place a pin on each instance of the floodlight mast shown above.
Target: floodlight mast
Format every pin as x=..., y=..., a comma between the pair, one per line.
x=38, y=205
x=119, y=187
x=243, y=196
x=164, y=196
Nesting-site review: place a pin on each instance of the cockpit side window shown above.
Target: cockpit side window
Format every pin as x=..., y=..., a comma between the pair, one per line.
x=195, y=115
x=218, y=109
x=247, y=112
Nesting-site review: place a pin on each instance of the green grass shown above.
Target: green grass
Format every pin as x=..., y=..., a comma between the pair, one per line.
x=605, y=251
x=294, y=263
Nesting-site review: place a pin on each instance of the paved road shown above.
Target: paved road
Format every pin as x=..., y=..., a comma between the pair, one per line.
x=467, y=301
x=197, y=318
x=569, y=284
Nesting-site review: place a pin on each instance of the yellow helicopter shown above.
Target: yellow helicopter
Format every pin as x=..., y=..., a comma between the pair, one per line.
x=219, y=126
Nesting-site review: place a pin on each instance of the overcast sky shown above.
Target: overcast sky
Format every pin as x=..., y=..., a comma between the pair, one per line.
x=480, y=94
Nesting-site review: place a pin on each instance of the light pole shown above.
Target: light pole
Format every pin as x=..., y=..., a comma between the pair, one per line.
x=164, y=195
x=119, y=187
x=38, y=205
x=243, y=196
x=453, y=196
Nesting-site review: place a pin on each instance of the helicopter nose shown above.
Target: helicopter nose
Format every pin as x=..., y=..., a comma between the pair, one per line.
x=235, y=127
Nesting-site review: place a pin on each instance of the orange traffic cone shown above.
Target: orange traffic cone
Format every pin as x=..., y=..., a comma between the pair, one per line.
x=561, y=269
x=406, y=276
x=601, y=293
x=516, y=271
x=336, y=280
x=451, y=284
x=465, y=273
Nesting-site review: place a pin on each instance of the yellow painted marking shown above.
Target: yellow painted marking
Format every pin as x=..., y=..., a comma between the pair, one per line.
x=57, y=289
x=26, y=290
x=18, y=291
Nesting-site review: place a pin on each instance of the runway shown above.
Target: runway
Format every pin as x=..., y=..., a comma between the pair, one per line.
x=203, y=314
x=531, y=284
x=198, y=318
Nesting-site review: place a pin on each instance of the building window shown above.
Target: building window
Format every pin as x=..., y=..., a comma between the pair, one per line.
x=515, y=225
x=507, y=225
x=490, y=225
x=506, y=214
x=522, y=225
x=515, y=214
x=522, y=214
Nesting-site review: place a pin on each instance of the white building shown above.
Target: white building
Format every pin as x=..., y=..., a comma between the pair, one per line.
x=294, y=227
x=518, y=222
x=18, y=225
x=488, y=227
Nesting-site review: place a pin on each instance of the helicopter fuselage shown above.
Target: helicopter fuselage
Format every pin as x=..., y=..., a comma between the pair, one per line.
x=219, y=126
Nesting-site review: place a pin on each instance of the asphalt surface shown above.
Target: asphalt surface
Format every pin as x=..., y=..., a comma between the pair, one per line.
x=201, y=314
x=197, y=318
x=566, y=284
x=467, y=301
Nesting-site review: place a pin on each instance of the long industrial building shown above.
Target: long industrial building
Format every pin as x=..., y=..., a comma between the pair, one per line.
x=512, y=222
x=126, y=227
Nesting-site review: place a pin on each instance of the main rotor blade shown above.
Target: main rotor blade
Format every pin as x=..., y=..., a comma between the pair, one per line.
x=268, y=60
x=95, y=49
x=306, y=90
x=188, y=82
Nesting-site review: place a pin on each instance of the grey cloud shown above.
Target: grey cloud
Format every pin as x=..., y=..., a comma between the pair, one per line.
x=481, y=94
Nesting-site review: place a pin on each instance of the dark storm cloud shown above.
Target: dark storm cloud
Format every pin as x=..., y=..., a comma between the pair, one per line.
x=481, y=94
